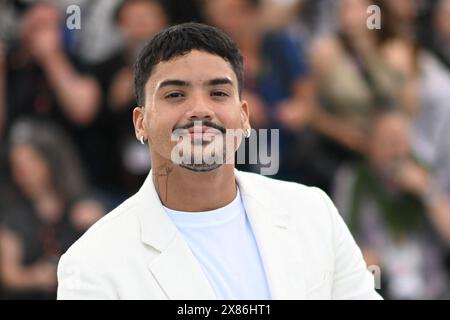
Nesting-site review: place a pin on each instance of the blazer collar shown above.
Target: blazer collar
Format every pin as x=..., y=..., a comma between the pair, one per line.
x=175, y=268
x=157, y=230
x=178, y=271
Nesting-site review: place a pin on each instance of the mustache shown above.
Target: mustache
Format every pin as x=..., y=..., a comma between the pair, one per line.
x=205, y=123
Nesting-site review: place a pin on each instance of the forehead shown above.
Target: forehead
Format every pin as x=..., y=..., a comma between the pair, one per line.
x=195, y=66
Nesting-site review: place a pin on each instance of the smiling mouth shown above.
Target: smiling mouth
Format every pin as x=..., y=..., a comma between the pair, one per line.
x=200, y=132
x=203, y=137
x=203, y=130
x=202, y=126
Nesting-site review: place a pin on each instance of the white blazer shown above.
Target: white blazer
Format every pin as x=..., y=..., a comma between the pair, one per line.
x=136, y=252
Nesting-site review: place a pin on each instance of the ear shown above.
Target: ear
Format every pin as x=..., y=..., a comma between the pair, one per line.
x=245, y=115
x=139, y=123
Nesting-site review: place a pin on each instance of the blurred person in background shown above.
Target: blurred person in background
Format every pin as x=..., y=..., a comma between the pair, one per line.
x=431, y=119
x=404, y=14
x=38, y=65
x=399, y=221
x=138, y=21
x=424, y=96
x=276, y=71
x=440, y=36
x=402, y=48
x=351, y=79
x=52, y=209
x=98, y=36
x=44, y=81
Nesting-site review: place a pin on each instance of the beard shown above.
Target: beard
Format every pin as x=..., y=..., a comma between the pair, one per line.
x=202, y=167
x=207, y=164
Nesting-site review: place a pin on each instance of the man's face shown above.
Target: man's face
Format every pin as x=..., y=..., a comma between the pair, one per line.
x=197, y=86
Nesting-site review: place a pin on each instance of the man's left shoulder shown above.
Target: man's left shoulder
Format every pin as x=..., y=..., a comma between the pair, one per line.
x=308, y=201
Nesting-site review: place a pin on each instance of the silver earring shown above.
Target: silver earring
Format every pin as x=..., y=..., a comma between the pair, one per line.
x=248, y=132
x=142, y=140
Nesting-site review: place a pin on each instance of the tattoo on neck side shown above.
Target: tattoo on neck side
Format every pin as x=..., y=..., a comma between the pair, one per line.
x=163, y=170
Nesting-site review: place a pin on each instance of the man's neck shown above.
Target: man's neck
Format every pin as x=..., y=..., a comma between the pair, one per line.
x=184, y=190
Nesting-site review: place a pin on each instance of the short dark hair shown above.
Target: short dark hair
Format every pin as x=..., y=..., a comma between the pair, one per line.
x=179, y=40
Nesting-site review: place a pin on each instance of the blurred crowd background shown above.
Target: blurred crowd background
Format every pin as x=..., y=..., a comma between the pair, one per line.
x=363, y=114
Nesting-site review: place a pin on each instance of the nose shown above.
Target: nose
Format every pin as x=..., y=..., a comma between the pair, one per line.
x=200, y=108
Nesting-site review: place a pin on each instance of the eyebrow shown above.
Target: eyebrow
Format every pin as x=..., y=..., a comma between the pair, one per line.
x=217, y=81
x=182, y=83
x=178, y=83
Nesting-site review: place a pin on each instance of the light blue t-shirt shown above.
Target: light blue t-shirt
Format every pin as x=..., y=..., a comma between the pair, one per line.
x=222, y=240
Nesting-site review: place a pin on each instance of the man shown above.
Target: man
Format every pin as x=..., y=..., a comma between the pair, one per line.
x=204, y=230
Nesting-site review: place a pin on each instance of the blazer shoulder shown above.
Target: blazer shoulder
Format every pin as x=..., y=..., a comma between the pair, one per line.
x=308, y=203
x=105, y=232
x=279, y=188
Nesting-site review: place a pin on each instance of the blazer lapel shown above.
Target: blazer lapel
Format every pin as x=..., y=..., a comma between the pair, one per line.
x=180, y=275
x=175, y=268
x=279, y=249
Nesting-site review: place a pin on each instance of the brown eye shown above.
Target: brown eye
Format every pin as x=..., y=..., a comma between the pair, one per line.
x=219, y=94
x=174, y=95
